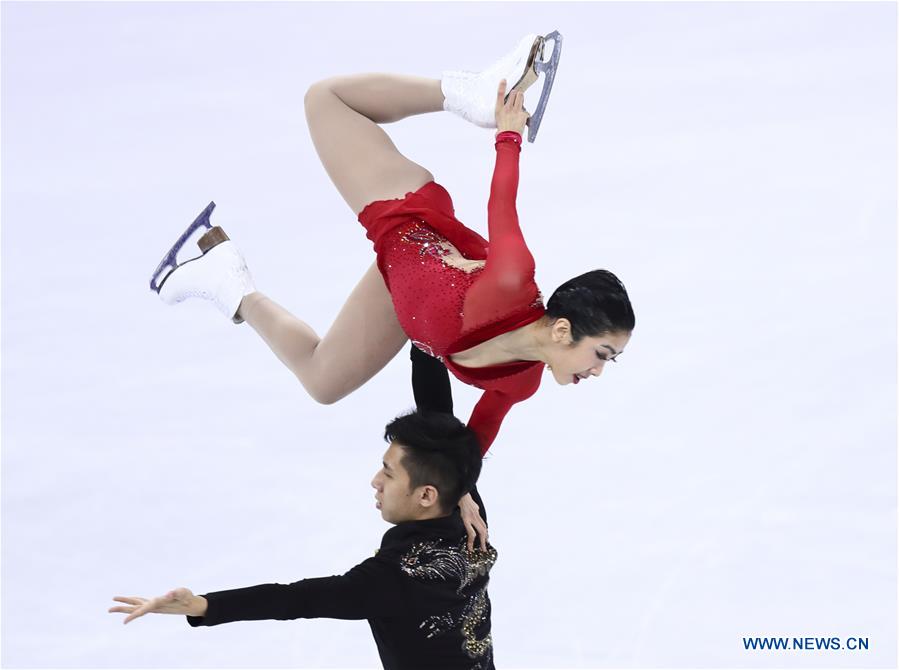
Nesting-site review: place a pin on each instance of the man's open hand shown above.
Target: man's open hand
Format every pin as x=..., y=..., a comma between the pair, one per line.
x=179, y=601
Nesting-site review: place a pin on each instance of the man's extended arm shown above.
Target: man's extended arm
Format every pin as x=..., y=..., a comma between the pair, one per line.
x=430, y=383
x=374, y=588
x=432, y=391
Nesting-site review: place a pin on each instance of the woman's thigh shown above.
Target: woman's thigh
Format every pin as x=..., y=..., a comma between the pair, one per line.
x=364, y=338
x=359, y=157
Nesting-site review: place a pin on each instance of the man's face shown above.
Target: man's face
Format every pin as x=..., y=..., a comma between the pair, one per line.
x=395, y=499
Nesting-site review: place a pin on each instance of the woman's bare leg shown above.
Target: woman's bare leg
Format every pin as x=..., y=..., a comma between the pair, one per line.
x=343, y=115
x=364, y=337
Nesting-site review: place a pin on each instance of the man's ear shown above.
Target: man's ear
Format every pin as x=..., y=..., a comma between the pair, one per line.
x=428, y=496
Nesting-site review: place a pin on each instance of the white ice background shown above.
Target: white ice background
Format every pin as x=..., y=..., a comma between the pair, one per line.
x=734, y=474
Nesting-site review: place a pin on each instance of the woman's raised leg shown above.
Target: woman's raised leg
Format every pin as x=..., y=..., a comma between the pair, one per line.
x=343, y=115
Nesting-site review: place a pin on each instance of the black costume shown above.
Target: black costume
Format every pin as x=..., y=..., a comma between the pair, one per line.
x=423, y=593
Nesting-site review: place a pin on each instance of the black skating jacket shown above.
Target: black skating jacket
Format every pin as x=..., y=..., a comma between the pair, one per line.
x=423, y=593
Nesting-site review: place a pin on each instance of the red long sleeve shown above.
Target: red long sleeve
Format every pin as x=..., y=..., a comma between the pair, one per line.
x=507, y=280
x=505, y=288
x=488, y=415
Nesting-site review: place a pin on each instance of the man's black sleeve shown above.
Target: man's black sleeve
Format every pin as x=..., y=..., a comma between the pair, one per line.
x=372, y=589
x=430, y=383
x=432, y=391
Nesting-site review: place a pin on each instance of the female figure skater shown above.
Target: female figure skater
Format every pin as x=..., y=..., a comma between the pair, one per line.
x=472, y=304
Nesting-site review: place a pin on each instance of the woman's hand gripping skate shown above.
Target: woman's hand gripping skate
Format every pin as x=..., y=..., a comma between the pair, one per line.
x=474, y=524
x=510, y=114
x=179, y=601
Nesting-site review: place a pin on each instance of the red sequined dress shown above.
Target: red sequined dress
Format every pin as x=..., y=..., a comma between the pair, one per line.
x=445, y=303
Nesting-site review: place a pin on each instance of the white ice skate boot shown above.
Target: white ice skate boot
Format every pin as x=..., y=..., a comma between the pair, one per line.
x=219, y=275
x=472, y=95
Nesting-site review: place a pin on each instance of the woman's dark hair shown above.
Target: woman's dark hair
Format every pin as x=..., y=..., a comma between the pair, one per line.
x=439, y=450
x=595, y=303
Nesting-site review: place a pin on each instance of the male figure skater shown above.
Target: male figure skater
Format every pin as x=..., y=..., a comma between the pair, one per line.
x=425, y=592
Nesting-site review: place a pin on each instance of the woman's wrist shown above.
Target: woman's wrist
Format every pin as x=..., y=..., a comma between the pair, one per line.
x=512, y=136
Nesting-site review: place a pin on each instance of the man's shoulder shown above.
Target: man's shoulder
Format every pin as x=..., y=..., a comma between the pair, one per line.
x=446, y=560
x=436, y=551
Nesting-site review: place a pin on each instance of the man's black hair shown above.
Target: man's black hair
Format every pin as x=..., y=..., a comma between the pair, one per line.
x=439, y=450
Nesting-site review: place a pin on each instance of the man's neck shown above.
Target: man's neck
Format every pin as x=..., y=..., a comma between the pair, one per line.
x=427, y=515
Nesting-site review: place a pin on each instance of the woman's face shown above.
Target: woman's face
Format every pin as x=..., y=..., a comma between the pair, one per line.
x=572, y=363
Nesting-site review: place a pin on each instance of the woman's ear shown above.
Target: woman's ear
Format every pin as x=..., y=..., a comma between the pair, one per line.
x=561, y=331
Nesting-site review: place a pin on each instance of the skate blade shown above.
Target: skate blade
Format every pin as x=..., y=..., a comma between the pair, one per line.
x=169, y=262
x=530, y=75
x=211, y=238
x=548, y=68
